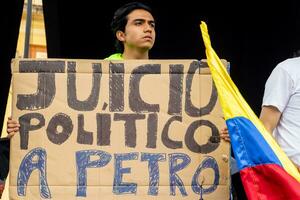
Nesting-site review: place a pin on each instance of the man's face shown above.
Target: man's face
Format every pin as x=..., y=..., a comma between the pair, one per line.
x=139, y=30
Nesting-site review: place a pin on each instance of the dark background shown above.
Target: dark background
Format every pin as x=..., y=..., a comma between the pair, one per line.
x=252, y=35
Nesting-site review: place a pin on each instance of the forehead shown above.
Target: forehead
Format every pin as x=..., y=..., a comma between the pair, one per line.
x=140, y=14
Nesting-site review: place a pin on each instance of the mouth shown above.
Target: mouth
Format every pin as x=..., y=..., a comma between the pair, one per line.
x=147, y=38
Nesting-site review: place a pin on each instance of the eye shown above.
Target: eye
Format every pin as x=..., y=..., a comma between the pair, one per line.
x=138, y=23
x=152, y=24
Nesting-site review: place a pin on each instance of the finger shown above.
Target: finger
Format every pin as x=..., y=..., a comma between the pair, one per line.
x=224, y=135
x=10, y=130
x=225, y=130
x=13, y=125
x=226, y=138
x=10, y=135
x=12, y=122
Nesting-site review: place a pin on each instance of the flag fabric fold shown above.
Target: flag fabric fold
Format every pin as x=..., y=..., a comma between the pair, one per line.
x=266, y=171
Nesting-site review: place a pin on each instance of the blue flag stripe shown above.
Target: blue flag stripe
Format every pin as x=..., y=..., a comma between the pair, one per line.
x=250, y=147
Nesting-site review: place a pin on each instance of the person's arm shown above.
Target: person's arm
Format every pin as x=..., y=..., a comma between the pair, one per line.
x=270, y=117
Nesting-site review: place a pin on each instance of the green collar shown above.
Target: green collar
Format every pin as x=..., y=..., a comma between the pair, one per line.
x=116, y=56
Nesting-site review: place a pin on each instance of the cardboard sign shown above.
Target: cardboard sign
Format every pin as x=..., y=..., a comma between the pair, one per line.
x=99, y=129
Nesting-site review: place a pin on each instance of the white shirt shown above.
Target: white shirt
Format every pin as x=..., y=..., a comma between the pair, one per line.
x=282, y=90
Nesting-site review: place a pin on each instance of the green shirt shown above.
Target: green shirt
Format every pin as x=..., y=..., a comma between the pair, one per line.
x=116, y=56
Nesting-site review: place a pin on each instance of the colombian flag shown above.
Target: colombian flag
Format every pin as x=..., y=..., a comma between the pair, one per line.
x=266, y=172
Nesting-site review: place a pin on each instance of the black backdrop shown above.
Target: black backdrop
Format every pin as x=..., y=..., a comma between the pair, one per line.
x=253, y=35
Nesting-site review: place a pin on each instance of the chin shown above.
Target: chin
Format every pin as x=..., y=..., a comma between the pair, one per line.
x=149, y=46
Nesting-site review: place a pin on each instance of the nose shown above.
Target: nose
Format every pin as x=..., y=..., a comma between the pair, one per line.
x=148, y=28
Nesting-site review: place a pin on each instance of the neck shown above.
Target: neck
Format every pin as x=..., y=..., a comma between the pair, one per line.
x=135, y=54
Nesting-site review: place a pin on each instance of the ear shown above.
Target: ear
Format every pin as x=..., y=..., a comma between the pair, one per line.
x=120, y=36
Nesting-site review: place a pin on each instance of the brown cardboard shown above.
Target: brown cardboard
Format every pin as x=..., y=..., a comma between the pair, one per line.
x=136, y=113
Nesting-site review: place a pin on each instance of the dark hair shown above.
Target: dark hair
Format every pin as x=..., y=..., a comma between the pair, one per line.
x=119, y=20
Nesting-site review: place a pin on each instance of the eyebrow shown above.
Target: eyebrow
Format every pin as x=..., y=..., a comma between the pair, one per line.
x=144, y=20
